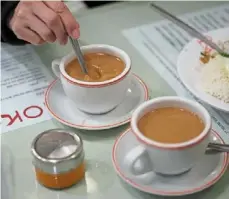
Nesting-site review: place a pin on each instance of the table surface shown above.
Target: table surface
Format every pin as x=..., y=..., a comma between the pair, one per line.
x=101, y=25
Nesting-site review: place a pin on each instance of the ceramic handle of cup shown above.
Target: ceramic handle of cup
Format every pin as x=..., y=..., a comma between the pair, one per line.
x=139, y=153
x=56, y=67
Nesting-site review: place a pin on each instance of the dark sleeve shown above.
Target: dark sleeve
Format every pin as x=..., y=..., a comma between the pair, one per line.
x=7, y=35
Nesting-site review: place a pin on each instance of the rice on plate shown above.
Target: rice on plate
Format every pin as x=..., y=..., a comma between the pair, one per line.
x=204, y=72
x=215, y=77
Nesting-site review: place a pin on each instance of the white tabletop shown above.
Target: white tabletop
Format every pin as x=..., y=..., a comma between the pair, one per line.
x=101, y=25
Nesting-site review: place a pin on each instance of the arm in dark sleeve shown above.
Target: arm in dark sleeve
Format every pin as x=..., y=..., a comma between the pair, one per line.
x=7, y=35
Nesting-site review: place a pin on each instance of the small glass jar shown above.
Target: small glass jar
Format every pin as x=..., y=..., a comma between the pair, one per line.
x=58, y=158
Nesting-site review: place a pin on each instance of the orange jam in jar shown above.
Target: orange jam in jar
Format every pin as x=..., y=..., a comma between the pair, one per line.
x=58, y=158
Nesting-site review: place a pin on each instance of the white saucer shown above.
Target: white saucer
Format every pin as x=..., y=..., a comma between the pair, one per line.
x=206, y=173
x=66, y=112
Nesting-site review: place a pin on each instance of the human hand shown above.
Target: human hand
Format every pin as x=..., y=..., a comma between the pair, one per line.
x=38, y=22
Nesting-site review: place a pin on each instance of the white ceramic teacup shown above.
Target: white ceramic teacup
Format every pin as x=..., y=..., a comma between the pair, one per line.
x=95, y=97
x=151, y=157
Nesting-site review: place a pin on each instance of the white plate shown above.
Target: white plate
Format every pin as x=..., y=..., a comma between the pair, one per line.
x=66, y=112
x=205, y=173
x=187, y=68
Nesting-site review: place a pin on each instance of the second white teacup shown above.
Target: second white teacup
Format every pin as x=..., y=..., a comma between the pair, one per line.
x=163, y=158
x=95, y=97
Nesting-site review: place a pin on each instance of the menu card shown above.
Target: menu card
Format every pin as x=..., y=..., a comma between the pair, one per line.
x=24, y=79
x=160, y=44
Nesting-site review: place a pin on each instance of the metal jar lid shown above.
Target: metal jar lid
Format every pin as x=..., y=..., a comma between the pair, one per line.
x=57, y=150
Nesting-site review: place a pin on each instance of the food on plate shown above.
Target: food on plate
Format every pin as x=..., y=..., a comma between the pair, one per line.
x=205, y=57
x=215, y=77
x=227, y=65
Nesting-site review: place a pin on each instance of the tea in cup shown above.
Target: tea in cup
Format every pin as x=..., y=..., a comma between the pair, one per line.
x=105, y=85
x=173, y=134
x=101, y=67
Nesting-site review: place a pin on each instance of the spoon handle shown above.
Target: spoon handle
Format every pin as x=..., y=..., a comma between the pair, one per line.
x=219, y=147
x=187, y=28
x=76, y=48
